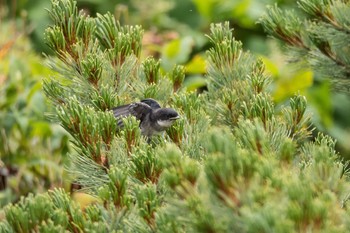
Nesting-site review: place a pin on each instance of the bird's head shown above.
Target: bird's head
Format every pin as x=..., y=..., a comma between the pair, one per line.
x=166, y=117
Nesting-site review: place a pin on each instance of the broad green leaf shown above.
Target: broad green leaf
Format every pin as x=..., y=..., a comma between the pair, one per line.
x=34, y=89
x=176, y=52
x=41, y=129
x=84, y=199
x=297, y=83
x=270, y=66
x=320, y=99
x=194, y=82
x=205, y=8
x=196, y=66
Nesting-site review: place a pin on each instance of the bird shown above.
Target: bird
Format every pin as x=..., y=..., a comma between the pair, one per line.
x=153, y=118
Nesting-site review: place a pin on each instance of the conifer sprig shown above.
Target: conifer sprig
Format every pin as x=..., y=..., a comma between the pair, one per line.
x=317, y=37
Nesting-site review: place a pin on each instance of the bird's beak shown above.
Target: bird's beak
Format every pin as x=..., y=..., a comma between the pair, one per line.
x=174, y=118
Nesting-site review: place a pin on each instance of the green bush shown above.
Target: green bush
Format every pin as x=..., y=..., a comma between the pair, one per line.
x=31, y=146
x=315, y=39
x=233, y=163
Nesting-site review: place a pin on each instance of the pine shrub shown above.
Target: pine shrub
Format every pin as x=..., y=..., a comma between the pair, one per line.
x=232, y=163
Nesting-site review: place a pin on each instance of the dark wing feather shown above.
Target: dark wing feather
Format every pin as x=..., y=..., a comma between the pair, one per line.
x=151, y=102
x=120, y=112
x=139, y=110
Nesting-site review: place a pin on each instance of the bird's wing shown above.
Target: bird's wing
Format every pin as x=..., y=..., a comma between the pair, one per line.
x=120, y=112
x=151, y=102
x=139, y=110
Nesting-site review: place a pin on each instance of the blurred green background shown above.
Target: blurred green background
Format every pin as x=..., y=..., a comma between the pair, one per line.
x=33, y=149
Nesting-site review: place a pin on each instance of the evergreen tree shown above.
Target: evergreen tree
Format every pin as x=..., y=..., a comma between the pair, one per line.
x=318, y=36
x=233, y=163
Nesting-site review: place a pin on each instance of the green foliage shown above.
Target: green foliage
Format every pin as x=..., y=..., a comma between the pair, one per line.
x=174, y=29
x=316, y=40
x=325, y=52
x=52, y=211
x=233, y=163
x=30, y=145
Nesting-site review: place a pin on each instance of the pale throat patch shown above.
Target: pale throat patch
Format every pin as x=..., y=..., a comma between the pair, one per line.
x=165, y=123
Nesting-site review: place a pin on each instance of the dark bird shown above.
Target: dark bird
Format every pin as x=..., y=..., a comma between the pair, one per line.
x=153, y=118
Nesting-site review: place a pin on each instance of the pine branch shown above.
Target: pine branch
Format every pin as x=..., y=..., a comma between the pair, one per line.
x=318, y=38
